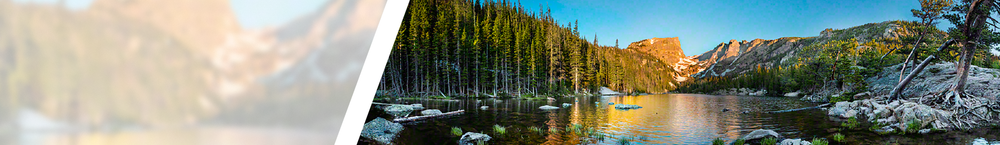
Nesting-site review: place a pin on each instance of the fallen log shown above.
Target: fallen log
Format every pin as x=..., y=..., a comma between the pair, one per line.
x=377, y=103
x=799, y=109
x=415, y=118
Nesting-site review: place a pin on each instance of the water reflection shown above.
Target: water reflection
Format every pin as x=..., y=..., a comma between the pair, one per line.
x=664, y=119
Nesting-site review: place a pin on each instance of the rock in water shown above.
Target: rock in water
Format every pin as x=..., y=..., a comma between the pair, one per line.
x=381, y=130
x=547, y=107
x=430, y=112
x=484, y=107
x=924, y=131
x=627, y=106
x=399, y=110
x=793, y=94
x=794, y=142
x=470, y=138
x=417, y=106
x=885, y=130
x=760, y=134
x=567, y=104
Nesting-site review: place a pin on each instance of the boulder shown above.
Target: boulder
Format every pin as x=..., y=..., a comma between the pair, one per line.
x=815, y=98
x=399, y=110
x=793, y=94
x=924, y=131
x=567, y=104
x=484, y=107
x=863, y=95
x=381, y=130
x=547, y=107
x=417, y=106
x=760, y=134
x=430, y=112
x=471, y=138
x=849, y=114
x=627, y=106
x=885, y=130
x=794, y=142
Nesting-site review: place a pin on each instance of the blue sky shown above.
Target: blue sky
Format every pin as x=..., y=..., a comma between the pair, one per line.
x=703, y=24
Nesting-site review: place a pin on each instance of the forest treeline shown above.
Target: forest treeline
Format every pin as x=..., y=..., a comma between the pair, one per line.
x=498, y=48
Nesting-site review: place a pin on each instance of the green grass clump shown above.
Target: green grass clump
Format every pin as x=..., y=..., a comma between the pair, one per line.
x=838, y=137
x=456, y=131
x=536, y=130
x=851, y=123
x=718, y=141
x=769, y=141
x=912, y=126
x=624, y=140
x=499, y=129
x=553, y=130
x=738, y=142
x=598, y=136
x=817, y=141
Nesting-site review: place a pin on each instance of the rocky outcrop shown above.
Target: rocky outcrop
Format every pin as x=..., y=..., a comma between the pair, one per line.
x=381, y=130
x=666, y=49
x=470, y=138
x=757, y=135
x=430, y=112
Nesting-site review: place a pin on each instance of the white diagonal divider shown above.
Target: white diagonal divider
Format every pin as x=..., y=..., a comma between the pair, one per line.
x=378, y=55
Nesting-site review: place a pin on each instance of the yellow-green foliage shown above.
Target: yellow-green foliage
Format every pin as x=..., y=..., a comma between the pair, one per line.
x=627, y=70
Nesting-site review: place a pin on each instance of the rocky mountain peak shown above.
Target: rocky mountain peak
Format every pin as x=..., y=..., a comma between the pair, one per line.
x=667, y=49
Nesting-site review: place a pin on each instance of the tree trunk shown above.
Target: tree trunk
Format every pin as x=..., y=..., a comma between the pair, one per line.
x=911, y=57
x=963, y=67
x=894, y=94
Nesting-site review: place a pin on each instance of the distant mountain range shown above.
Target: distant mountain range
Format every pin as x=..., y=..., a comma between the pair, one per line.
x=735, y=57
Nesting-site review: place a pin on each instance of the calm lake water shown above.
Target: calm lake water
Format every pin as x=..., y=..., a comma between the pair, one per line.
x=664, y=119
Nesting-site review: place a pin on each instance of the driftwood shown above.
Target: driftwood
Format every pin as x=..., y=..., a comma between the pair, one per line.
x=415, y=118
x=377, y=103
x=894, y=94
x=799, y=109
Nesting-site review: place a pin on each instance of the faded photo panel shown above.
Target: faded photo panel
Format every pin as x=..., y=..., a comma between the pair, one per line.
x=179, y=72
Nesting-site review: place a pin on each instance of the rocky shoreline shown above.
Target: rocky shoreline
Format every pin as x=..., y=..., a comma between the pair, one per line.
x=922, y=109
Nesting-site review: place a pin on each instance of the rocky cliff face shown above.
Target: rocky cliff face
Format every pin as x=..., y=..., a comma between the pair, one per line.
x=739, y=56
x=666, y=49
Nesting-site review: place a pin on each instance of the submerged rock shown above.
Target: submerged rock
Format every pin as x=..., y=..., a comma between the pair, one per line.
x=381, y=130
x=759, y=134
x=470, y=138
x=547, y=107
x=399, y=110
x=627, y=106
x=885, y=130
x=430, y=112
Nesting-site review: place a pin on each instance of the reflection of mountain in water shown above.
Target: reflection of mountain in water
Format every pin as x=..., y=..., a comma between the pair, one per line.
x=180, y=62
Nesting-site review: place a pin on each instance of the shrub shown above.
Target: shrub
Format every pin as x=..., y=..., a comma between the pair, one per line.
x=718, y=141
x=817, y=141
x=769, y=141
x=851, y=123
x=456, y=131
x=837, y=137
x=499, y=129
x=738, y=142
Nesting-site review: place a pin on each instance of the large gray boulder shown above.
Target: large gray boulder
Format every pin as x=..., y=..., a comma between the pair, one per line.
x=399, y=110
x=547, y=107
x=381, y=130
x=471, y=138
x=627, y=106
x=430, y=112
x=760, y=134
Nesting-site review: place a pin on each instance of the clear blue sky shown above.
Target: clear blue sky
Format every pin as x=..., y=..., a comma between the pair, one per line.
x=703, y=24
